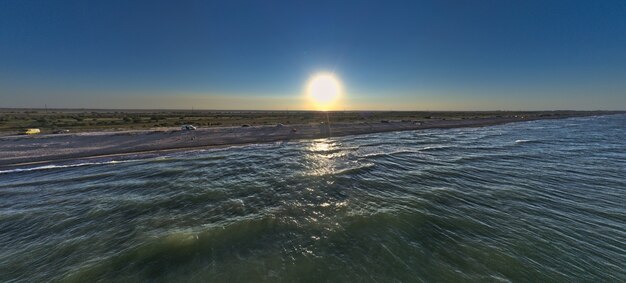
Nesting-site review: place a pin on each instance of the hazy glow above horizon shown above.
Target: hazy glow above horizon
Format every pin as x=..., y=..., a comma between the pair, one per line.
x=324, y=90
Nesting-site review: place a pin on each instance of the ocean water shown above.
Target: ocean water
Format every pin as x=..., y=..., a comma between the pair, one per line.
x=530, y=201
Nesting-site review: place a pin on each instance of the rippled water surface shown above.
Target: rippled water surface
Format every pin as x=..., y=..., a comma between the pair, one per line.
x=531, y=201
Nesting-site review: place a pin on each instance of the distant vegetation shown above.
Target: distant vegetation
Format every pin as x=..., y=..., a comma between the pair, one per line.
x=15, y=120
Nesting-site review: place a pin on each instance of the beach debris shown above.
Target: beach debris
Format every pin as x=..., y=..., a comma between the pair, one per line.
x=279, y=125
x=294, y=130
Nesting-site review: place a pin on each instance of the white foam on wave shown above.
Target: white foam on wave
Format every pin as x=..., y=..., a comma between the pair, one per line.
x=522, y=141
x=353, y=168
x=48, y=167
x=435, y=147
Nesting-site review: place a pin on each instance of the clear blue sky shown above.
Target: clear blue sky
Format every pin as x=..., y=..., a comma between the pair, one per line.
x=401, y=55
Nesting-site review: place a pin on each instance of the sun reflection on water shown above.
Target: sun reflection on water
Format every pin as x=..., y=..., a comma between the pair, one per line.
x=320, y=157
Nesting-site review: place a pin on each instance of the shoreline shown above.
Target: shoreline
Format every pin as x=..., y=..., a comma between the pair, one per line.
x=20, y=151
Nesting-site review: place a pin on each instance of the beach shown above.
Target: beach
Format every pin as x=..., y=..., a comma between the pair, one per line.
x=20, y=150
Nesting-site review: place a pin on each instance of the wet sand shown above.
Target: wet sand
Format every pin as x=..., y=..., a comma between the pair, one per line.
x=40, y=149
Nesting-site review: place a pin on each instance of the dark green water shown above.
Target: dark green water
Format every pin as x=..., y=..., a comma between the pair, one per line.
x=533, y=201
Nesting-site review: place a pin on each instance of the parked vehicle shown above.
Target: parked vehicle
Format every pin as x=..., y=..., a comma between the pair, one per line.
x=31, y=131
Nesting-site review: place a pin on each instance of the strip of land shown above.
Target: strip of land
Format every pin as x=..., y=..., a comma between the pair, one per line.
x=20, y=150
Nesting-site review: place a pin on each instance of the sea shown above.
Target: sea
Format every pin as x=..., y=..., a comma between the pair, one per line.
x=536, y=201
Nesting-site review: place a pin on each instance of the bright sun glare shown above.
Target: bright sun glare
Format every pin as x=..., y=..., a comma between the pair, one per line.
x=323, y=89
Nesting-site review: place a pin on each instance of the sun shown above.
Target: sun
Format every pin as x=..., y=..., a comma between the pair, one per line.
x=323, y=90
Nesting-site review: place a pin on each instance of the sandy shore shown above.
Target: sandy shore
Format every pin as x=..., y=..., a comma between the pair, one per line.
x=28, y=150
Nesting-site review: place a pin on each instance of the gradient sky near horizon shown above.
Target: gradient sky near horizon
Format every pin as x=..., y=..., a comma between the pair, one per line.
x=390, y=55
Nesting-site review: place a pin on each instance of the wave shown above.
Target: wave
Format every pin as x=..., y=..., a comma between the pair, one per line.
x=355, y=169
x=332, y=150
x=436, y=147
x=406, y=150
x=382, y=153
x=49, y=167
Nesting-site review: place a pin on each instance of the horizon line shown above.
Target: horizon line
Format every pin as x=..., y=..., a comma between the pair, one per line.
x=300, y=110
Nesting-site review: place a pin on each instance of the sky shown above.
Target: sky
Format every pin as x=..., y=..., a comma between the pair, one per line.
x=389, y=55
